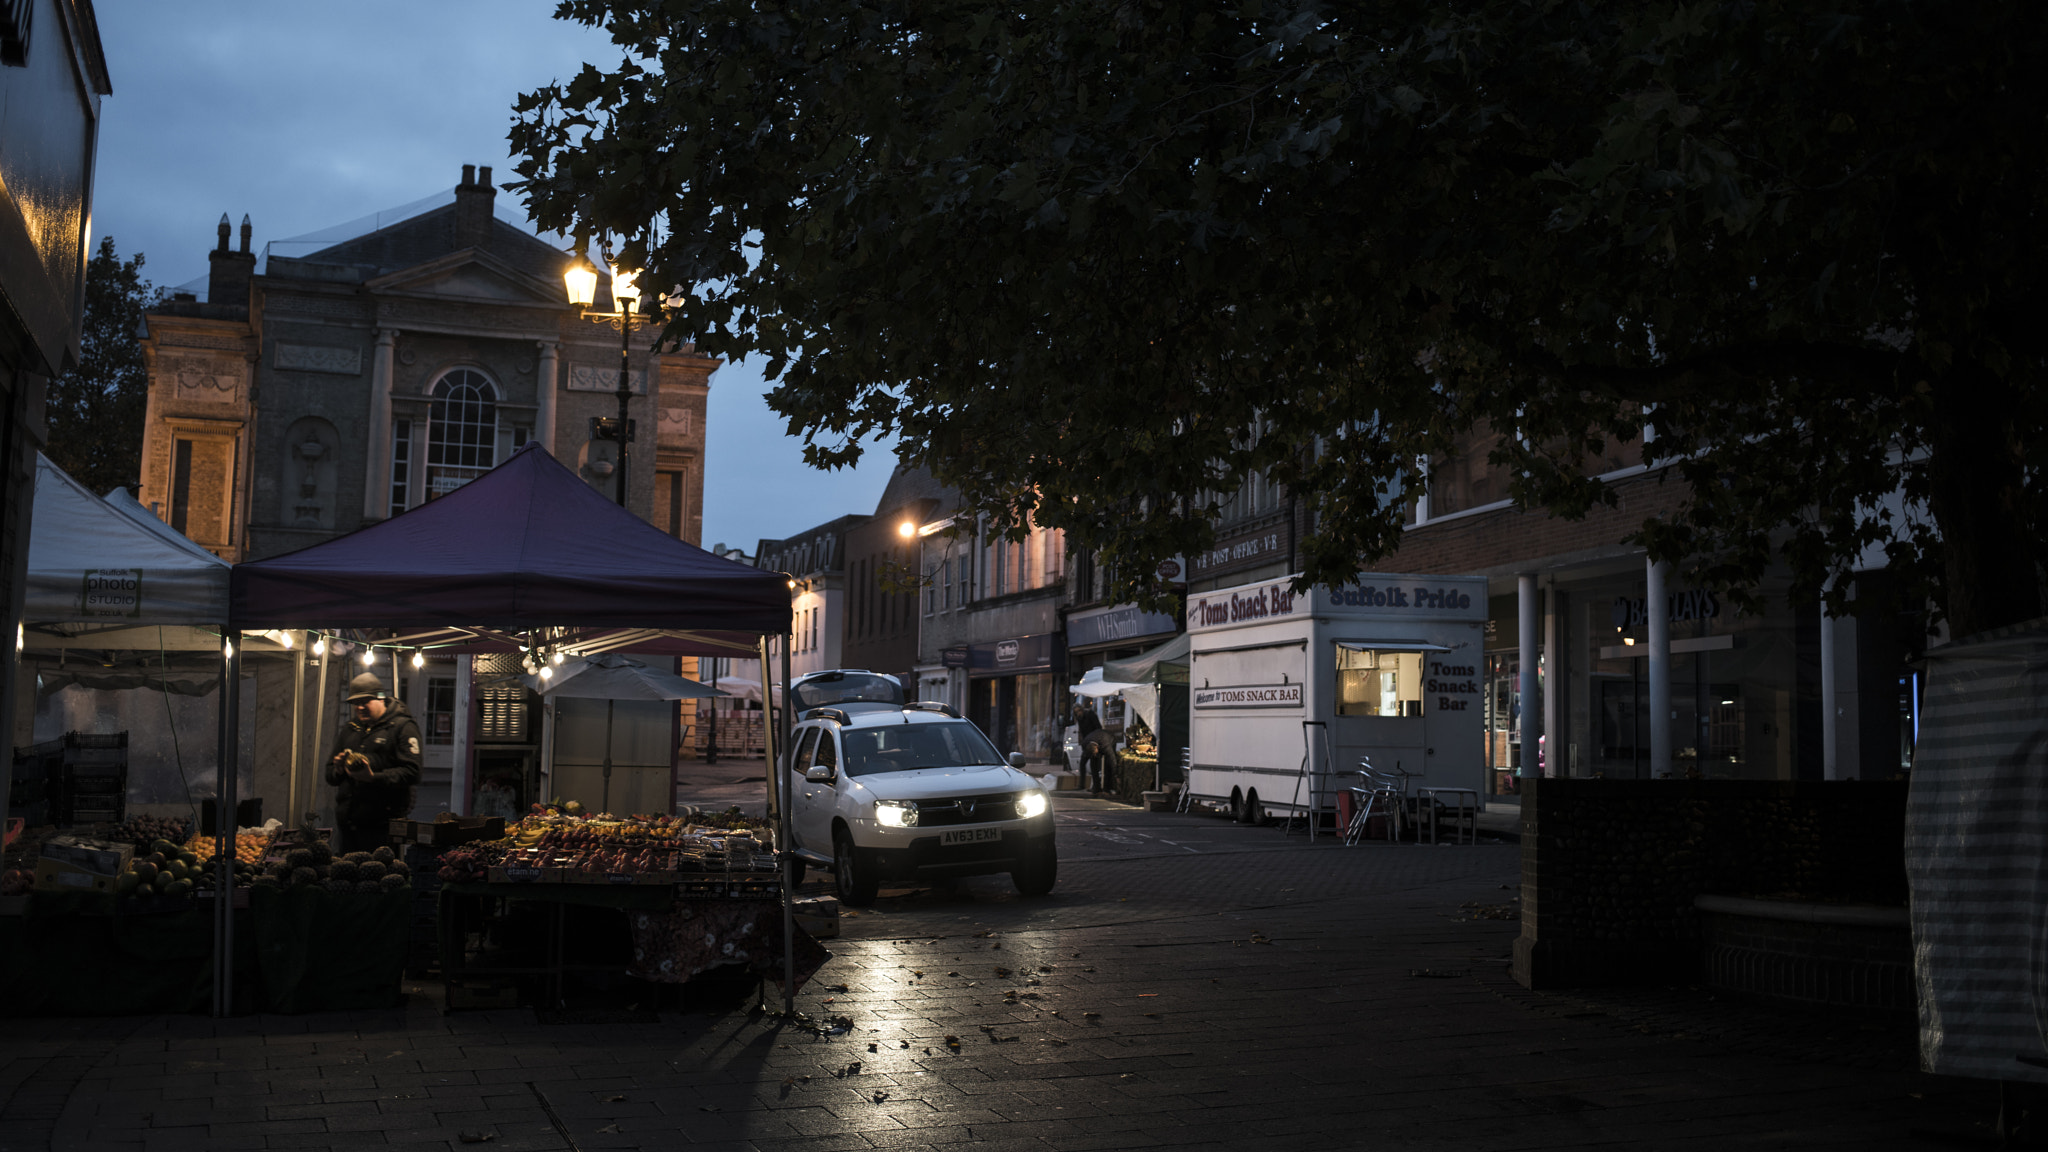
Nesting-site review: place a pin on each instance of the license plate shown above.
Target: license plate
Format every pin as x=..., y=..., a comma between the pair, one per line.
x=970, y=835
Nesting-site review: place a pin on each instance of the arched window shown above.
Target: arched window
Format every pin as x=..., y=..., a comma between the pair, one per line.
x=462, y=431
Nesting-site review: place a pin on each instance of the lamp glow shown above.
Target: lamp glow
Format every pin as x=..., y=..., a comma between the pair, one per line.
x=906, y=529
x=580, y=278
x=227, y=648
x=319, y=645
x=547, y=673
x=625, y=287
x=369, y=657
x=419, y=659
x=558, y=658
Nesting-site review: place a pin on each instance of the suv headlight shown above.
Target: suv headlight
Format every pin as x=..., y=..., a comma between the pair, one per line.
x=1030, y=804
x=896, y=813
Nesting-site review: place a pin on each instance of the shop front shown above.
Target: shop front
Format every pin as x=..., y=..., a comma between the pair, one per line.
x=1014, y=693
x=1096, y=636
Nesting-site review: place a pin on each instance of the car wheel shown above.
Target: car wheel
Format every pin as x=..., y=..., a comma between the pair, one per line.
x=1254, y=815
x=1039, y=870
x=1237, y=805
x=855, y=878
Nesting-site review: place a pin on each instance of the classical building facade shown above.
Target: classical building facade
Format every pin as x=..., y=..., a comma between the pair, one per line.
x=337, y=388
x=344, y=386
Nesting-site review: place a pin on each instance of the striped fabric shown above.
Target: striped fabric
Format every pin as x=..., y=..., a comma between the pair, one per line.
x=1977, y=856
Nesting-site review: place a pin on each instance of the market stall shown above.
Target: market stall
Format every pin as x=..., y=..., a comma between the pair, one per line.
x=110, y=898
x=529, y=559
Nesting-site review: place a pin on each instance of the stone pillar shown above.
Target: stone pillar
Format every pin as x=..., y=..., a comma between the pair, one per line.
x=1557, y=753
x=1528, y=605
x=377, y=481
x=1657, y=611
x=545, y=386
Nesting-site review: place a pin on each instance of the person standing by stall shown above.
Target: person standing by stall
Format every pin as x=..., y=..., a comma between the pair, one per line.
x=376, y=766
x=1095, y=748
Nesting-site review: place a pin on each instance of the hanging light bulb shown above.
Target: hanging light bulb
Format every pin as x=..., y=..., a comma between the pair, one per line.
x=20, y=638
x=419, y=658
x=283, y=638
x=558, y=658
x=319, y=644
x=547, y=673
x=227, y=648
x=369, y=657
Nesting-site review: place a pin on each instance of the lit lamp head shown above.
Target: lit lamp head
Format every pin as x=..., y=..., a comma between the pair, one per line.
x=580, y=278
x=625, y=287
x=906, y=529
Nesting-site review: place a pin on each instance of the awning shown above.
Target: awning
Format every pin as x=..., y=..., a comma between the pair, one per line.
x=1166, y=664
x=526, y=545
x=110, y=562
x=1093, y=685
x=1392, y=646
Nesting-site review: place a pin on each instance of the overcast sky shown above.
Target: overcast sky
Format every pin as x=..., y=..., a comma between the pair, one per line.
x=307, y=115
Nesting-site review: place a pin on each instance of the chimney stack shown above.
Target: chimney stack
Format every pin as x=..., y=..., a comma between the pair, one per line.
x=473, y=207
x=229, y=272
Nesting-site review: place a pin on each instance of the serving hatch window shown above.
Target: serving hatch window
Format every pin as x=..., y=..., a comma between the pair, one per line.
x=1375, y=682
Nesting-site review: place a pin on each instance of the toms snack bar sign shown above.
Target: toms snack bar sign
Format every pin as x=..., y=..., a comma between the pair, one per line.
x=112, y=592
x=1249, y=696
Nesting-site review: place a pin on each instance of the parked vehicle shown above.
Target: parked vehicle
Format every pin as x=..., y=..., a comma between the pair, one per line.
x=912, y=792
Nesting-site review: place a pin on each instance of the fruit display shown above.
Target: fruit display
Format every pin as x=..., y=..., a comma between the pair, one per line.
x=169, y=870
x=143, y=831
x=654, y=848
x=249, y=847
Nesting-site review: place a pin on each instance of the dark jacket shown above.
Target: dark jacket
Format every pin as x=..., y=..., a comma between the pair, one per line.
x=1087, y=721
x=392, y=746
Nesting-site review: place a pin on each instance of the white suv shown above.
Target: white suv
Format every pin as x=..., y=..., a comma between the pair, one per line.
x=911, y=791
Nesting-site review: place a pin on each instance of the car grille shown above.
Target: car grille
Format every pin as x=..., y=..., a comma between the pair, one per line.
x=967, y=810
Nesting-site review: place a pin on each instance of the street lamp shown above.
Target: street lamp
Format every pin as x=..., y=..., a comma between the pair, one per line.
x=580, y=279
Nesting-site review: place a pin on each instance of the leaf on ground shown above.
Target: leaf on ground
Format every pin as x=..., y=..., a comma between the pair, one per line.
x=614, y=1099
x=709, y=1108
x=872, y=1048
x=476, y=1137
x=1001, y=971
x=835, y=988
x=1092, y=1015
x=952, y=1041
x=609, y=1128
x=881, y=1096
x=788, y=1081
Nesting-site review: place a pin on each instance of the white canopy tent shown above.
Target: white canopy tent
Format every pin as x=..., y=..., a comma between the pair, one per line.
x=1143, y=697
x=108, y=564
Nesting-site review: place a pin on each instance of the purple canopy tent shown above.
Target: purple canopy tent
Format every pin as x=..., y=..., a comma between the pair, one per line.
x=524, y=551
x=526, y=545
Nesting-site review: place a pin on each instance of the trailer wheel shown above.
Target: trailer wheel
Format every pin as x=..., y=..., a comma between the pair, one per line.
x=1254, y=815
x=1236, y=806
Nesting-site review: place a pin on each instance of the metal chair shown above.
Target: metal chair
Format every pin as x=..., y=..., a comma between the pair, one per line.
x=1384, y=792
x=1464, y=808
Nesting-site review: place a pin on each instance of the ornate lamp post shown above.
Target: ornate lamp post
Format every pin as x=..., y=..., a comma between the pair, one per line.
x=580, y=278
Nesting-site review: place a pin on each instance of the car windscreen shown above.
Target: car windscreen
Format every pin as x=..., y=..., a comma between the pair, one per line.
x=847, y=688
x=895, y=747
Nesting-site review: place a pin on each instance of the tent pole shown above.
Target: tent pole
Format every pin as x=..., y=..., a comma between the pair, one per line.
x=790, y=873
x=291, y=791
x=224, y=824
x=780, y=812
x=312, y=792
x=605, y=804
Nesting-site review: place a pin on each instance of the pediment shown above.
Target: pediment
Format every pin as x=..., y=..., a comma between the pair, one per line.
x=472, y=276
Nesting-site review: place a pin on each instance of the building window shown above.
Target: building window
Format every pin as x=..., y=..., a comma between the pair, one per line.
x=668, y=503
x=462, y=434
x=181, y=484
x=401, y=465
x=439, y=721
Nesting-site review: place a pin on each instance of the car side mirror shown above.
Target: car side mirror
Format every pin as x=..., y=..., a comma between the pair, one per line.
x=819, y=774
x=1016, y=759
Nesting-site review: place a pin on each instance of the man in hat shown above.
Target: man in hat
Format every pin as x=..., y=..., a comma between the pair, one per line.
x=376, y=766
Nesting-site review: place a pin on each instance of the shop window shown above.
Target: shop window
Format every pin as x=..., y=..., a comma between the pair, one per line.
x=1371, y=682
x=439, y=721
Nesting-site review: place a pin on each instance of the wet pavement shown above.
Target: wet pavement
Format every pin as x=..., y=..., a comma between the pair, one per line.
x=1189, y=984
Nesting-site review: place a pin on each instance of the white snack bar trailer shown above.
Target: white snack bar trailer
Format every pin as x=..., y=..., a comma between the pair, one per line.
x=1389, y=664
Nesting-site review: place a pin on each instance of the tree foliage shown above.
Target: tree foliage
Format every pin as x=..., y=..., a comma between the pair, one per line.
x=1094, y=260
x=96, y=410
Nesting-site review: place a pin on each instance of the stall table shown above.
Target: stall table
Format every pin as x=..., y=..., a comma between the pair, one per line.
x=678, y=930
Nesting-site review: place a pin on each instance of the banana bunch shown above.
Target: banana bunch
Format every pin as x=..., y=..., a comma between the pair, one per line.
x=525, y=837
